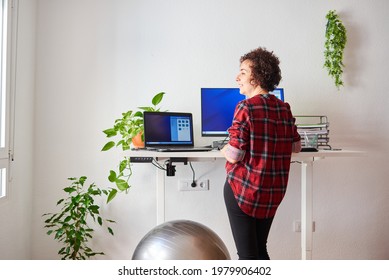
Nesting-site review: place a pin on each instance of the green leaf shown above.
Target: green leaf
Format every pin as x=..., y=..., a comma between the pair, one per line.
x=94, y=209
x=94, y=192
x=49, y=220
x=67, y=219
x=58, y=233
x=157, y=98
x=120, y=143
x=122, y=165
x=82, y=180
x=69, y=189
x=122, y=184
x=110, y=132
x=125, y=146
x=111, y=195
x=146, y=108
x=112, y=176
x=139, y=114
x=60, y=201
x=108, y=146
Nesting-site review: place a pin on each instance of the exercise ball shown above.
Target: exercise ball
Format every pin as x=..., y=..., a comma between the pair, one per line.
x=181, y=240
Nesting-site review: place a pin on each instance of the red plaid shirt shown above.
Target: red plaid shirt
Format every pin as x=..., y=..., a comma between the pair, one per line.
x=264, y=129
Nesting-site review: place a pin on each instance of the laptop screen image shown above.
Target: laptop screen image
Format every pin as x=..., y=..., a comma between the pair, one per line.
x=168, y=129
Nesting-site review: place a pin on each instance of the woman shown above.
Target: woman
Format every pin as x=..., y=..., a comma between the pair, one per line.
x=263, y=136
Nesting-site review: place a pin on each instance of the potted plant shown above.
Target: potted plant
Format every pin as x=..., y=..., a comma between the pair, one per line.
x=335, y=43
x=71, y=226
x=130, y=129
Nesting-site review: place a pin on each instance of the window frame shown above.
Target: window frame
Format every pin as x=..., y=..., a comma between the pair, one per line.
x=8, y=41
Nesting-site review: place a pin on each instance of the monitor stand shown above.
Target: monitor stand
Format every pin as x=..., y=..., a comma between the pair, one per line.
x=219, y=144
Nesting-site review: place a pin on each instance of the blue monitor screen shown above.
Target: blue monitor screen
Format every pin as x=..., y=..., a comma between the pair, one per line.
x=279, y=93
x=217, y=110
x=218, y=106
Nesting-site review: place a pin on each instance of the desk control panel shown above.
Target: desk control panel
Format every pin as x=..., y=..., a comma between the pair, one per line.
x=141, y=159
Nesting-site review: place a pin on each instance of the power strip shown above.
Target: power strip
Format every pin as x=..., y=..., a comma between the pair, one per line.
x=141, y=159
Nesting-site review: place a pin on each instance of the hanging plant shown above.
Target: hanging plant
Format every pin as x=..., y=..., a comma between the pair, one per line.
x=335, y=43
x=127, y=128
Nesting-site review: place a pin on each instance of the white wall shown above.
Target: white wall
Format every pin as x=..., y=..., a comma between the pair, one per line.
x=98, y=58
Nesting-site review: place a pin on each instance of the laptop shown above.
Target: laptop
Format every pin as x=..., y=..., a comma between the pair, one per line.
x=170, y=132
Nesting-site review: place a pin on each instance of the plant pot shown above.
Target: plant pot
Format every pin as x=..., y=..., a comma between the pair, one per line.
x=137, y=141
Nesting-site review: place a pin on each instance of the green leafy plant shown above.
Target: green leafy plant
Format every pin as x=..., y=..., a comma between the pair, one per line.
x=336, y=38
x=70, y=226
x=129, y=126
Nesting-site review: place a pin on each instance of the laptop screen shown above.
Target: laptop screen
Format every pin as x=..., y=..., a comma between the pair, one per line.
x=168, y=129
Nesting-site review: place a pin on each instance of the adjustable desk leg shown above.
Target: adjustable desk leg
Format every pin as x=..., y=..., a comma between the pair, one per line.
x=160, y=196
x=306, y=210
x=170, y=171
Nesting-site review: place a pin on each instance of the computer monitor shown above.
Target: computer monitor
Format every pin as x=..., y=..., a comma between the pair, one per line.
x=279, y=93
x=217, y=109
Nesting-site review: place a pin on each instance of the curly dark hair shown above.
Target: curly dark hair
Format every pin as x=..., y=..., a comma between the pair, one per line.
x=265, y=68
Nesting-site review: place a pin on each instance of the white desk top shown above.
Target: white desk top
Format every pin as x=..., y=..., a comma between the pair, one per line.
x=215, y=154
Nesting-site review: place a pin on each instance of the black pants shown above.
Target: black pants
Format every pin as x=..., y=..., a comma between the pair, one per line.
x=250, y=234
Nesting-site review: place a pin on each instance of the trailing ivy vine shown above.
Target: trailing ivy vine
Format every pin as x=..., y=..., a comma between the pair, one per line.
x=335, y=43
x=127, y=127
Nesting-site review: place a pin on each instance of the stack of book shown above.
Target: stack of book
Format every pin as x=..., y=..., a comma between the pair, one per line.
x=314, y=131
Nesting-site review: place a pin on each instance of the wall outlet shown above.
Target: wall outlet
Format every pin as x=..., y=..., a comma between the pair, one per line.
x=186, y=185
x=297, y=226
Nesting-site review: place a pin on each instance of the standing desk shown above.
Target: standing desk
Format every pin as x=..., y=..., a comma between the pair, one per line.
x=306, y=159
